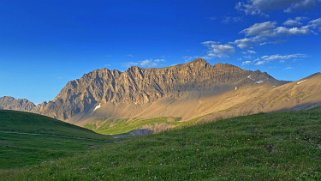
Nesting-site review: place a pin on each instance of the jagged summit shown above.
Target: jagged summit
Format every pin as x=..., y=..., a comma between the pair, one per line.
x=141, y=86
x=11, y=103
x=188, y=90
x=198, y=62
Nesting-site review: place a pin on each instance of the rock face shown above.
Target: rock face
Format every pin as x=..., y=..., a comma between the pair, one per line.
x=142, y=86
x=10, y=103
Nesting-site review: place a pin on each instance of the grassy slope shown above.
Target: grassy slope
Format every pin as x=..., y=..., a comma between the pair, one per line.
x=276, y=146
x=27, y=139
x=120, y=126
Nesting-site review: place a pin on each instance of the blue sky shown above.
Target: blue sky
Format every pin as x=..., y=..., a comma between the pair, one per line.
x=44, y=44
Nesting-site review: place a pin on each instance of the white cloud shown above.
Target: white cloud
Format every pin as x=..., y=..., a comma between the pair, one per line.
x=294, y=22
x=256, y=34
x=248, y=55
x=277, y=57
x=249, y=52
x=273, y=58
x=268, y=32
x=264, y=33
x=217, y=49
x=269, y=29
x=262, y=7
x=300, y=5
x=247, y=62
x=248, y=8
x=147, y=63
x=291, y=31
x=244, y=42
x=315, y=24
x=261, y=29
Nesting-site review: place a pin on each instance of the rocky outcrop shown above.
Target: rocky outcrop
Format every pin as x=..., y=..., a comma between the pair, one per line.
x=10, y=103
x=141, y=86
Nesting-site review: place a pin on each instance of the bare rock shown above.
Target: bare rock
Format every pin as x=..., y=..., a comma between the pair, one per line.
x=140, y=86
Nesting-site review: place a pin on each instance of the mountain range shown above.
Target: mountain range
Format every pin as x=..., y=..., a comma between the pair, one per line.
x=193, y=91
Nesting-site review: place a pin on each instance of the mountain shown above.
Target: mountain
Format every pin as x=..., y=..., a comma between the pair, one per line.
x=297, y=95
x=111, y=101
x=10, y=103
x=137, y=87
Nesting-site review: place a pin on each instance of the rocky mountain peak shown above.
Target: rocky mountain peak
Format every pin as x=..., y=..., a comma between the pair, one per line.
x=140, y=86
x=10, y=103
x=134, y=70
x=197, y=64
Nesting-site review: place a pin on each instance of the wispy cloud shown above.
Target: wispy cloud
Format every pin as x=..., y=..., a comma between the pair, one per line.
x=249, y=52
x=246, y=62
x=301, y=5
x=218, y=50
x=261, y=29
x=260, y=34
x=147, y=63
x=232, y=19
x=262, y=7
x=267, y=32
x=276, y=57
x=315, y=24
x=297, y=21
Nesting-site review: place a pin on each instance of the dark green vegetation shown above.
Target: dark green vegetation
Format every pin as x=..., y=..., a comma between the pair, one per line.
x=27, y=139
x=275, y=146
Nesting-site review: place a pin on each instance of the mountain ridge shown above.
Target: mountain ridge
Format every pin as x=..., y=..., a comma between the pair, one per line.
x=194, y=90
x=140, y=86
x=11, y=103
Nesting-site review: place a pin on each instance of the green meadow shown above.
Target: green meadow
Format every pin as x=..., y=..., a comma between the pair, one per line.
x=267, y=146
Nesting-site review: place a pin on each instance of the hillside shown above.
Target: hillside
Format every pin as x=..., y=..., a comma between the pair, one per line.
x=245, y=100
x=27, y=139
x=274, y=146
x=298, y=95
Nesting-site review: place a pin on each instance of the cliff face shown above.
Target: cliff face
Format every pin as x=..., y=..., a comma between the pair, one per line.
x=141, y=86
x=10, y=103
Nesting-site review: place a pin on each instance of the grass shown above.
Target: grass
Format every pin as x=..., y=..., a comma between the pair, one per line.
x=120, y=126
x=27, y=139
x=275, y=146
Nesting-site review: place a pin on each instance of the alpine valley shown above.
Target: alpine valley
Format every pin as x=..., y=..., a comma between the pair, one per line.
x=157, y=99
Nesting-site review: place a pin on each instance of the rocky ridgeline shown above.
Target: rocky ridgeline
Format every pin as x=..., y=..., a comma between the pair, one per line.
x=140, y=86
x=10, y=103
